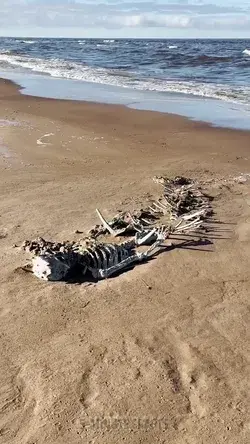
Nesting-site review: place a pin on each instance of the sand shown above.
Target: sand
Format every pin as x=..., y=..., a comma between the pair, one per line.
x=159, y=354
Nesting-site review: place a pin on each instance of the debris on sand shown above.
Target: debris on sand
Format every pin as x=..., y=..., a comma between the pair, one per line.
x=182, y=201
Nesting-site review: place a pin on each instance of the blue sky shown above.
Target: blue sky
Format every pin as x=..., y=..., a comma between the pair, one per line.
x=126, y=18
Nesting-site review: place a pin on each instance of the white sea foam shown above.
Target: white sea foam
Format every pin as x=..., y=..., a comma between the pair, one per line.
x=6, y=51
x=247, y=52
x=108, y=41
x=76, y=71
x=29, y=42
x=172, y=47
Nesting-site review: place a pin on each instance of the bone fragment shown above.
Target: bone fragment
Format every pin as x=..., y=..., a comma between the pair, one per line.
x=49, y=268
x=106, y=224
x=104, y=274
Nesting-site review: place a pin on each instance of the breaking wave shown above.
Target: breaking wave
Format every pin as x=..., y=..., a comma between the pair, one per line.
x=126, y=79
x=247, y=52
x=29, y=42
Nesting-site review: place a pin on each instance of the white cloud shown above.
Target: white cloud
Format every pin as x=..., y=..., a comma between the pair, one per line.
x=114, y=14
x=153, y=20
x=182, y=21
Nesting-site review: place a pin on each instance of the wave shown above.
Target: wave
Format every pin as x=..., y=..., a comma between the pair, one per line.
x=6, y=51
x=172, y=46
x=213, y=59
x=247, y=52
x=180, y=58
x=29, y=42
x=10, y=52
x=108, y=41
x=126, y=79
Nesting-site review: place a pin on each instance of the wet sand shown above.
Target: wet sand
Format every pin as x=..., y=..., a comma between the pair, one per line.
x=159, y=354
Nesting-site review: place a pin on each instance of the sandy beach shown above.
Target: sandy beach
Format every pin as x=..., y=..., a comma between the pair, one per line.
x=159, y=354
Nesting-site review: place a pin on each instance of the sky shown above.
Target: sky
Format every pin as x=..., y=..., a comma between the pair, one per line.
x=126, y=18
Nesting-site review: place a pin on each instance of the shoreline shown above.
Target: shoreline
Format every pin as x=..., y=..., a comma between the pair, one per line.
x=17, y=90
x=216, y=113
x=71, y=355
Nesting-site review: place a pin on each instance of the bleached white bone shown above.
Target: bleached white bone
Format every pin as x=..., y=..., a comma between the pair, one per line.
x=108, y=227
x=105, y=257
x=167, y=203
x=90, y=251
x=148, y=236
x=49, y=268
x=97, y=253
x=156, y=204
x=123, y=253
x=163, y=207
x=145, y=255
x=133, y=219
x=197, y=213
x=189, y=226
x=105, y=223
x=177, y=225
x=153, y=210
x=113, y=256
x=104, y=274
x=146, y=221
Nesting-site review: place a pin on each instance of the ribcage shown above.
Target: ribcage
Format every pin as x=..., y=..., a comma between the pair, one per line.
x=104, y=256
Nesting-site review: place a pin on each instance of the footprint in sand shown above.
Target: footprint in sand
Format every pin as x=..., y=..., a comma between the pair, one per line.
x=181, y=365
x=17, y=404
x=193, y=378
x=89, y=389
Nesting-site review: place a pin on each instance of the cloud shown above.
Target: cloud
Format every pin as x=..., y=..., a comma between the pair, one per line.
x=183, y=21
x=114, y=14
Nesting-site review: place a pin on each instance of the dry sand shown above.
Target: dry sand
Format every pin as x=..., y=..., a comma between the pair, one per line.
x=156, y=355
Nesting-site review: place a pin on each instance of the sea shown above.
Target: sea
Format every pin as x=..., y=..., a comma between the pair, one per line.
x=136, y=71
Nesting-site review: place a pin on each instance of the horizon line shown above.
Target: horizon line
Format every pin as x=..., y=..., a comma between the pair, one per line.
x=123, y=38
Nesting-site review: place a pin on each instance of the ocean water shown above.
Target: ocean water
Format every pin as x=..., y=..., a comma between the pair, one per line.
x=217, y=69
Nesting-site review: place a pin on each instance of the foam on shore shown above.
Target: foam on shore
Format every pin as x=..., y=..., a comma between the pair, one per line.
x=215, y=112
